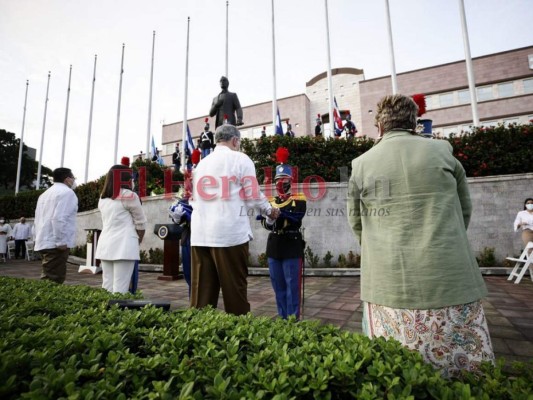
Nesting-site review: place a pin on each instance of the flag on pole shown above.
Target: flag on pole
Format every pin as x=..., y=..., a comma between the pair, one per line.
x=153, y=147
x=189, y=144
x=337, y=118
x=279, y=128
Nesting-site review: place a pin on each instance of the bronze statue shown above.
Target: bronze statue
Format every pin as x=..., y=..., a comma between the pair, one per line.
x=226, y=105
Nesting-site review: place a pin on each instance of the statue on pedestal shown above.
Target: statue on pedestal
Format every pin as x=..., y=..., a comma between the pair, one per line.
x=225, y=106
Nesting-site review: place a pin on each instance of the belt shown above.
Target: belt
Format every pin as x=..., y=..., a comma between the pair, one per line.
x=282, y=232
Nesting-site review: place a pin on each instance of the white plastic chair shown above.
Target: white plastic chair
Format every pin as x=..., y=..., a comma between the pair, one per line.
x=11, y=249
x=30, y=256
x=526, y=259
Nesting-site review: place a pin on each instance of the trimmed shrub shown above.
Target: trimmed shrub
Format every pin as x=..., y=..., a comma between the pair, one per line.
x=60, y=341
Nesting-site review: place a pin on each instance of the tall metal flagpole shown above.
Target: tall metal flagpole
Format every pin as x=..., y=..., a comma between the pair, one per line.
x=66, y=119
x=274, y=95
x=227, y=38
x=90, y=124
x=184, y=135
x=42, y=135
x=21, y=143
x=150, y=100
x=118, y=108
x=330, y=85
x=469, y=67
x=391, y=51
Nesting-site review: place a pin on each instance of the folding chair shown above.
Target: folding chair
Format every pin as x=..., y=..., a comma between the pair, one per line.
x=527, y=260
x=29, y=250
x=11, y=249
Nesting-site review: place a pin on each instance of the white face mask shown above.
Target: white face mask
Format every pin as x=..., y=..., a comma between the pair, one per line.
x=529, y=207
x=74, y=185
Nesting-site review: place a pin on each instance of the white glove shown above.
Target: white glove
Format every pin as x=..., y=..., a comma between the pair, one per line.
x=176, y=212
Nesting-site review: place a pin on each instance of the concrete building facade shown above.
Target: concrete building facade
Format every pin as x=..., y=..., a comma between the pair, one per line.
x=504, y=85
x=504, y=88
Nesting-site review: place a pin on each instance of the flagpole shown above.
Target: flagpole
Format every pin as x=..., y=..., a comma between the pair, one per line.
x=274, y=95
x=90, y=124
x=150, y=98
x=21, y=144
x=118, y=108
x=184, y=135
x=330, y=85
x=391, y=50
x=227, y=37
x=42, y=135
x=66, y=119
x=469, y=67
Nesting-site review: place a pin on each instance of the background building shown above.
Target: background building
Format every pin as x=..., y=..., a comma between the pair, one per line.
x=504, y=85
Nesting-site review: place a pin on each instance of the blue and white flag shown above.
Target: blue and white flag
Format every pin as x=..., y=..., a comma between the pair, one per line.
x=153, y=147
x=189, y=144
x=279, y=128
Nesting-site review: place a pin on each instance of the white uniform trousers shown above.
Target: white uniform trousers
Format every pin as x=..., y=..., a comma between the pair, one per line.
x=116, y=275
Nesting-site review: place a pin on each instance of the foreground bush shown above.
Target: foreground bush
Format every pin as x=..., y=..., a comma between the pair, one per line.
x=62, y=342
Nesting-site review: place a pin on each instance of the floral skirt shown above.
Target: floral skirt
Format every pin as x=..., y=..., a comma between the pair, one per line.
x=451, y=338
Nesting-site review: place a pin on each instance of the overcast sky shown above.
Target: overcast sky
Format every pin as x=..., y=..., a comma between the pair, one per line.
x=37, y=36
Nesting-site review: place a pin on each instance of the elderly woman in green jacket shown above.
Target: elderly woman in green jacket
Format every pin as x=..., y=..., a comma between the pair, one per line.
x=409, y=207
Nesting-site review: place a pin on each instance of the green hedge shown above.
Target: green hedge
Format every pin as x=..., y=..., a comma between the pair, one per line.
x=59, y=341
x=312, y=156
x=499, y=150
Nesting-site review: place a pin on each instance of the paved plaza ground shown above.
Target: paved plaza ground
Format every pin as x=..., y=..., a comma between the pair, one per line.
x=335, y=300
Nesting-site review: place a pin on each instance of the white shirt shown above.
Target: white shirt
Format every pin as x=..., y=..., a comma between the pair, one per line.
x=120, y=219
x=225, y=188
x=22, y=231
x=521, y=217
x=55, y=218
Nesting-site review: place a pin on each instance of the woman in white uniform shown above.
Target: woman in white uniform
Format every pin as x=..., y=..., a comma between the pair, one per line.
x=124, y=224
x=5, y=234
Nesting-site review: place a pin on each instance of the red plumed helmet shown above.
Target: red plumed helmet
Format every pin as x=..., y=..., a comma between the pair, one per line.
x=420, y=101
x=282, y=155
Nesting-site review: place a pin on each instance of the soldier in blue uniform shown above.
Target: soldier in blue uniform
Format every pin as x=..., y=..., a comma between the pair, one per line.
x=349, y=127
x=180, y=212
x=285, y=244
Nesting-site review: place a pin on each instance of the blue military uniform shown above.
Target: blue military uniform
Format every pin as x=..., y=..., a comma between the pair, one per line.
x=181, y=212
x=285, y=247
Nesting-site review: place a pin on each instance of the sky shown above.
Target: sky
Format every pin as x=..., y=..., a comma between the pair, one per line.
x=37, y=36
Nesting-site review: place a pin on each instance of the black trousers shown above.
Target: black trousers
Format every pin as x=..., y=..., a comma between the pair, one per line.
x=20, y=245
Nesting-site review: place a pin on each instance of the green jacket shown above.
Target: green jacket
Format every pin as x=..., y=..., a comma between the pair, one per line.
x=409, y=206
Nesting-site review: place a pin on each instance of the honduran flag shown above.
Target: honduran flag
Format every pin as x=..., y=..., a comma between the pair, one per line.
x=337, y=117
x=189, y=144
x=279, y=128
x=153, y=147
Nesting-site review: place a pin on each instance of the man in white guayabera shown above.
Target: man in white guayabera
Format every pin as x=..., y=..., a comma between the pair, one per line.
x=223, y=184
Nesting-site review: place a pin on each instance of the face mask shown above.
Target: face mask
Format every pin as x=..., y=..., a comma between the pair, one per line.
x=74, y=185
x=529, y=207
x=283, y=187
x=2, y=221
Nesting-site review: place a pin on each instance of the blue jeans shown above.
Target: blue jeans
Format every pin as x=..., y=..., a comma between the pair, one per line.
x=285, y=274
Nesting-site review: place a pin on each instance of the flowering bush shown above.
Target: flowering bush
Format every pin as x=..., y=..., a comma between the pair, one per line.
x=499, y=150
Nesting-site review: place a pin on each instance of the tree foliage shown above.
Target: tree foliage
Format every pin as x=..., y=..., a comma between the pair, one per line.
x=9, y=153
